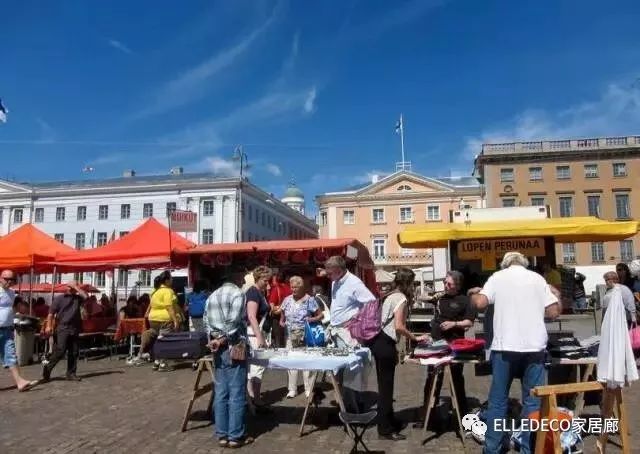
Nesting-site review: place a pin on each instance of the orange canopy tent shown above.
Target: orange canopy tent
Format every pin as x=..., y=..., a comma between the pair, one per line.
x=148, y=246
x=27, y=248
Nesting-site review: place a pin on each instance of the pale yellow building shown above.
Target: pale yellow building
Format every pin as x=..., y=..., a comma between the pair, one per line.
x=375, y=212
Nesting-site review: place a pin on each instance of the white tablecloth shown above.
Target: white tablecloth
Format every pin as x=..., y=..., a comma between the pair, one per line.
x=294, y=360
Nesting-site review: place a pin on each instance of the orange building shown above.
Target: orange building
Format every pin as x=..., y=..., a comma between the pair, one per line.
x=375, y=212
x=588, y=177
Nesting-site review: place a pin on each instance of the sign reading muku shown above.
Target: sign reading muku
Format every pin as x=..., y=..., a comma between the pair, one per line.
x=489, y=250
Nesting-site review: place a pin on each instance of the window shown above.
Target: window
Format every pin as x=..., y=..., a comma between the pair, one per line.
x=60, y=214
x=404, y=187
x=377, y=215
x=207, y=208
x=123, y=278
x=597, y=252
x=207, y=236
x=78, y=277
x=379, y=248
x=349, y=217
x=103, y=212
x=508, y=203
x=535, y=173
x=125, y=211
x=39, y=215
x=59, y=237
x=250, y=236
x=17, y=216
x=242, y=210
x=626, y=250
x=506, y=175
x=406, y=214
x=619, y=169
x=81, y=214
x=591, y=170
x=593, y=205
x=250, y=212
x=433, y=212
x=80, y=240
x=563, y=172
x=100, y=279
x=622, y=206
x=1, y=216
x=123, y=233
x=264, y=219
x=171, y=207
x=566, y=207
x=144, y=276
x=569, y=252
x=323, y=218
x=147, y=210
x=102, y=238
x=537, y=201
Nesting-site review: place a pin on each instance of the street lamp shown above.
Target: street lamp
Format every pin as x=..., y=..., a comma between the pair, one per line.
x=241, y=156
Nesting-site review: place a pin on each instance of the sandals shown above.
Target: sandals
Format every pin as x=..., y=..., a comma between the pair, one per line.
x=28, y=386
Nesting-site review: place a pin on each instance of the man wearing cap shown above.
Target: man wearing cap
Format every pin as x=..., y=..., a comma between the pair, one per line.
x=66, y=310
x=7, y=343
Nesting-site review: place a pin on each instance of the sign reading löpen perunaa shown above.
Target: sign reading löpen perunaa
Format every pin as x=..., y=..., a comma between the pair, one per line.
x=476, y=249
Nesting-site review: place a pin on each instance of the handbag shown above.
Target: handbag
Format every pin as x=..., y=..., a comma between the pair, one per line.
x=314, y=334
x=634, y=335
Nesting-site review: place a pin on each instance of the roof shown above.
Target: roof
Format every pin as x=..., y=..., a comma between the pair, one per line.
x=134, y=180
x=28, y=247
x=454, y=182
x=147, y=246
x=293, y=191
x=573, y=229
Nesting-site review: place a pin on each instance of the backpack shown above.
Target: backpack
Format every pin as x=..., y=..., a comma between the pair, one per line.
x=367, y=323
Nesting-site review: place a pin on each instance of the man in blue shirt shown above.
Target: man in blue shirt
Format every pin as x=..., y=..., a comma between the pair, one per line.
x=7, y=343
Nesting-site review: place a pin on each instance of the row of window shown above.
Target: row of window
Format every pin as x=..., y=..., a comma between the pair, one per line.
x=378, y=215
x=379, y=249
x=99, y=279
x=81, y=213
x=563, y=172
x=566, y=208
x=207, y=236
x=100, y=239
x=597, y=252
x=264, y=218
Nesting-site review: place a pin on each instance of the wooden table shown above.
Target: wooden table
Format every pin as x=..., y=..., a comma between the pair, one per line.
x=590, y=365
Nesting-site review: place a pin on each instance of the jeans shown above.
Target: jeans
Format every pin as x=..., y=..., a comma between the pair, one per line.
x=7, y=347
x=69, y=342
x=529, y=367
x=229, y=405
x=580, y=303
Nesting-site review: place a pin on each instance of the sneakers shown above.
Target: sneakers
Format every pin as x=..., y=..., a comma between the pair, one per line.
x=156, y=365
x=291, y=394
x=234, y=444
x=72, y=377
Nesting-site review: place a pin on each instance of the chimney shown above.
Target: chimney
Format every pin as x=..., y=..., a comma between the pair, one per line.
x=129, y=173
x=375, y=178
x=176, y=171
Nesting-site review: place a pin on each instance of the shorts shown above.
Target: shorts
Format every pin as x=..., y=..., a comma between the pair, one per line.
x=7, y=348
x=255, y=372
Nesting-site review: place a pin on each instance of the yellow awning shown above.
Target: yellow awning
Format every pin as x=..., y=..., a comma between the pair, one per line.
x=564, y=230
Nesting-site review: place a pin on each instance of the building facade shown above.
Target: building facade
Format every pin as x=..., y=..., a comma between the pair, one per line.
x=588, y=177
x=90, y=213
x=374, y=213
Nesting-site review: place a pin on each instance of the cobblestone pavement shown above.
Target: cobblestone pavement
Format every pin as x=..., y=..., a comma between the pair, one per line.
x=117, y=408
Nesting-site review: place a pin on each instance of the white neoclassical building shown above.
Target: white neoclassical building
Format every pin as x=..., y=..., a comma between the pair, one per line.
x=88, y=213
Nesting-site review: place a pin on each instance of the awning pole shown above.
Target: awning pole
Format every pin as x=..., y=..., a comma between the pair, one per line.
x=30, y=290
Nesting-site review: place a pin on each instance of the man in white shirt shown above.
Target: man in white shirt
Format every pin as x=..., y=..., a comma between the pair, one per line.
x=348, y=295
x=7, y=343
x=522, y=300
x=612, y=281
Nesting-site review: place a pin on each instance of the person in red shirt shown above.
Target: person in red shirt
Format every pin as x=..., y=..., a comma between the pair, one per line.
x=279, y=291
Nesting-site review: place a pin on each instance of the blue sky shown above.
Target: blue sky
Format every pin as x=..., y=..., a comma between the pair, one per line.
x=311, y=89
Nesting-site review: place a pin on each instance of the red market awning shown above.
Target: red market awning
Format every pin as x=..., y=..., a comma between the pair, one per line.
x=28, y=248
x=149, y=246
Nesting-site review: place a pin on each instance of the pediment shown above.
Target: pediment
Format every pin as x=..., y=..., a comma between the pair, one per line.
x=405, y=183
x=7, y=187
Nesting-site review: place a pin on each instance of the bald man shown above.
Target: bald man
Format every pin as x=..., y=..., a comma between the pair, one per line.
x=7, y=343
x=612, y=282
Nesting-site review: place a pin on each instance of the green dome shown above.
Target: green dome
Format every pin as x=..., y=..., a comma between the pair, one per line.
x=293, y=191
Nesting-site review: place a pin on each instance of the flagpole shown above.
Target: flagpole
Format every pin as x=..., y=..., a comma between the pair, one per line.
x=402, y=139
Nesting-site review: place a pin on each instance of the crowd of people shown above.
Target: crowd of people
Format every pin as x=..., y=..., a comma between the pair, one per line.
x=267, y=309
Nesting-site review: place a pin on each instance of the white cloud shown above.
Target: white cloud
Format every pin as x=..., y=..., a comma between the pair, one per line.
x=273, y=169
x=47, y=133
x=119, y=45
x=222, y=167
x=368, y=176
x=310, y=100
x=107, y=159
x=191, y=84
x=616, y=112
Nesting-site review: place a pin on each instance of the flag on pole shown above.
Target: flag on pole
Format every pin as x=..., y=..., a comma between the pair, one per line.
x=399, y=125
x=3, y=112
